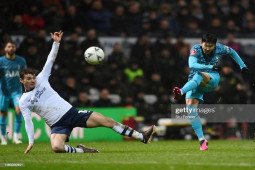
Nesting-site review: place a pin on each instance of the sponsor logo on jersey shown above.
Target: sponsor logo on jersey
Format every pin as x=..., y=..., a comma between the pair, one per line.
x=37, y=96
x=12, y=74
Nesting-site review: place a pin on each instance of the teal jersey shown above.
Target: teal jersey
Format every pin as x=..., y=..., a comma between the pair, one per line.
x=200, y=62
x=10, y=74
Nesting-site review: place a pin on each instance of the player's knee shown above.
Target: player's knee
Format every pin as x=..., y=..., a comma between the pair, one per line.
x=110, y=122
x=58, y=148
x=198, y=78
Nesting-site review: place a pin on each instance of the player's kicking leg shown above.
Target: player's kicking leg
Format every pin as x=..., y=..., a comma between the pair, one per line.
x=58, y=145
x=98, y=120
x=195, y=120
x=199, y=79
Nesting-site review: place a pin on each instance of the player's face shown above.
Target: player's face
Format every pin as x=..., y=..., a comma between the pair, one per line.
x=10, y=49
x=208, y=47
x=28, y=81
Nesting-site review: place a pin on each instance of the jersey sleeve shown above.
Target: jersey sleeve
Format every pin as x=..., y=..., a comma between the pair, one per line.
x=193, y=64
x=229, y=51
x=28, y=123
x=46, y=71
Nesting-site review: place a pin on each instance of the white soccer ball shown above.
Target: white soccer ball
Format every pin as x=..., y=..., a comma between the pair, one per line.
x=94, y=55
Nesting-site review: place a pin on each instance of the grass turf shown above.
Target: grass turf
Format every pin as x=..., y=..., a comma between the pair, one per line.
x=136, y=155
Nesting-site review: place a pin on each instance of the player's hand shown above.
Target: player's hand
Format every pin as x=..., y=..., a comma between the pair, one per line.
x=245, y=70
x=30, y=146
x=57, y=36
x=216, y=68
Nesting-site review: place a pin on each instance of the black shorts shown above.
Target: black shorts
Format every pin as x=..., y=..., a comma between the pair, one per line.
x=73, y=118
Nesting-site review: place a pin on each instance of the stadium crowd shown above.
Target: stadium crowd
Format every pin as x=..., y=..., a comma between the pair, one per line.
x=143, y=79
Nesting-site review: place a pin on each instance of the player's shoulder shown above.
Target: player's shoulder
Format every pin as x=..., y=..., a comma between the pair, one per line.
x=222, y=48
x=195, y=50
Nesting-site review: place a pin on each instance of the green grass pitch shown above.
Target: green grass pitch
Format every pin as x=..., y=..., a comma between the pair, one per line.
x=135, y=155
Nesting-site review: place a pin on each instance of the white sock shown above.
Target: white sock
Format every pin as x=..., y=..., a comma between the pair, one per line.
x=70, y=149
x=127, y=131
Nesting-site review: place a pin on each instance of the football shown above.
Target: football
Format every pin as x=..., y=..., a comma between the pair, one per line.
x=94, y=55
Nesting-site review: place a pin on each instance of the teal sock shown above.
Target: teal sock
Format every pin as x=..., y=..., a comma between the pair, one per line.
x=17, y=123
x=195, y=121
x=193, y=83
x=3, y=125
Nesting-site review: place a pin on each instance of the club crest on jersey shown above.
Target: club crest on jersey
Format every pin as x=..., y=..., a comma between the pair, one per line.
x=193, y=52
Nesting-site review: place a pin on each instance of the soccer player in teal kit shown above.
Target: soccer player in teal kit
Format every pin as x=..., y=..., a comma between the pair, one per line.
x=10, y=89
x=204, y=77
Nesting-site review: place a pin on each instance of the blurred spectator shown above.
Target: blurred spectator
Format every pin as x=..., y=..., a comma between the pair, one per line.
x=165, y=28
x=236, y=15
x=133, y=71
x=128, y=101
x=83, y=100
x=16, y=27
x=180, y=44
x=217, y=27
x=155, y=86
x=119, y=22
x=141, y=52
x=232, y=28
x=183, y=16
x=193, y=29
x=154, y=23
x=230, y=86
x=134, y=18
x=99, y=18
x=117, y=56
x=143, y=108
x=167, y=19
x=230, y=41
x=224, y=6
x=74, y=21
x=52, y=17
x=69, y=91
x=91, y=40
x=104, y=100
x=33, y=19
x=116, y=87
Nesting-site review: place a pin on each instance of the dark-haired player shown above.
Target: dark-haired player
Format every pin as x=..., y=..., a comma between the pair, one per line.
x=204, y=77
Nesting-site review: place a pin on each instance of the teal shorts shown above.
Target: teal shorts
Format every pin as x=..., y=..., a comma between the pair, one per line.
x=198, y=93
x=5, y=100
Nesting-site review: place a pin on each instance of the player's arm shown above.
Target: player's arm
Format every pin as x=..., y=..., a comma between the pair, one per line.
x=236, y=57
x=45, y=73
x=29, y=127
x=193, y=64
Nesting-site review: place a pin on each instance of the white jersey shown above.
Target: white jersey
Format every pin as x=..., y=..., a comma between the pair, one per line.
x=43, y=100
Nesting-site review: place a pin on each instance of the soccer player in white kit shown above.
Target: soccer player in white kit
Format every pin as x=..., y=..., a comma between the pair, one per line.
x=40, y=98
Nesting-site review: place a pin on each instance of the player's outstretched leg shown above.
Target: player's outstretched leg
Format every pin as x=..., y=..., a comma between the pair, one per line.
x=58, y=145
x=196, y=124
x=190, y=85
x=3, y=128
x=98, y=120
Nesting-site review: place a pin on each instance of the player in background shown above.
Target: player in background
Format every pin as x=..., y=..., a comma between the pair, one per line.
x=10, y=89
x=204, y=77
x=40, y=98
